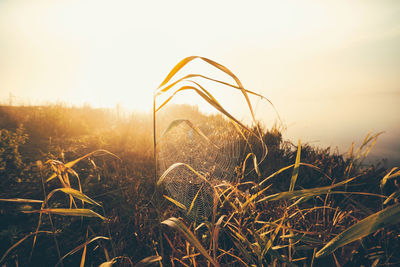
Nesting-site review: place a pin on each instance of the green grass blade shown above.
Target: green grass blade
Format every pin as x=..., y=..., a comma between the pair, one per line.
x=189, y=236
x=369, y=225
x=296, y=168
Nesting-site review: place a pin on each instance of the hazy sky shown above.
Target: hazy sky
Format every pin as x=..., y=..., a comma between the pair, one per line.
x=332, y=68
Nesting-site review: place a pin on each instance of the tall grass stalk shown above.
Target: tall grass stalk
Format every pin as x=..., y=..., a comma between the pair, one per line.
x=50, y=219
x=256, y=243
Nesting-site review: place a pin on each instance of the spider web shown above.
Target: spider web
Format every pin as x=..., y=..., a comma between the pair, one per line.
x=216, y=161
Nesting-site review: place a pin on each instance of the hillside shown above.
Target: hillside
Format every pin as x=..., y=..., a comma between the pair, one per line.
x=36, y=141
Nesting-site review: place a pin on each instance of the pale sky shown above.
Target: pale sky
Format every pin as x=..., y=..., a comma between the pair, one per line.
x=331, y=68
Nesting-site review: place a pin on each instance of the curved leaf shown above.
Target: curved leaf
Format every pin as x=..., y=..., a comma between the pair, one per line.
x=75, y=193
x=72, y=163
x=296, y=168
x=190, y=237
x=148, y=260
x=369, y=225
x=176, y=123
x=21, y=200
x=69, y=212
x=305, y=192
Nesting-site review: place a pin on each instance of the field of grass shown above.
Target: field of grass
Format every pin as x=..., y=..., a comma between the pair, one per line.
x=85, y=186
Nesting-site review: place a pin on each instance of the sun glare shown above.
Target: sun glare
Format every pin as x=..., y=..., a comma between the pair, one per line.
x=276, y=124
x=107, y=53
x=299, y=54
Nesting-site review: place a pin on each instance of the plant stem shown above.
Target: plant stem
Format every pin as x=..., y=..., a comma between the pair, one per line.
x=51, y=221
x=154, y=139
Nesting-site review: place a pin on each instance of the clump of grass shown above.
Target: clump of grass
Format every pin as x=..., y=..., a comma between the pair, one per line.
x=261, y=237
x=287, y=207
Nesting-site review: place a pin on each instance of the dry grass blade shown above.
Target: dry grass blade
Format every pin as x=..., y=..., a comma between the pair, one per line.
x=394, y=195
x=224, y=69
x=275, y=174
x=185, y=61
x=176, y=123
x=20, y=241
x=254, y=162
x=245, y=253
x=296, y=168
x=148, y=260
x=72, y=163
x=194, y=199
x=253, y=197
x=82, y=246
x=165, y=89
x=290, y=166
x=233, y=256
x=178, y=164
x=394, y=173
x=75, y=193
x=366, y=144
x=190, y=237
x=177, y=67
x=83, y=258
x=69, y=212
x=168, y=87
x=108, y=263
x=305, y=192
x=369, y=225
x=207, y=98
x=215, y=235
x=362, y=152
x=21, y=200
x=177, y=203
x=238, y=82
x=268, y=246
x=241, y=243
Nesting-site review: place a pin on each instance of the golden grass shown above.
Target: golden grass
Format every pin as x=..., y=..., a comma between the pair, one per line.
x=260, y=227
